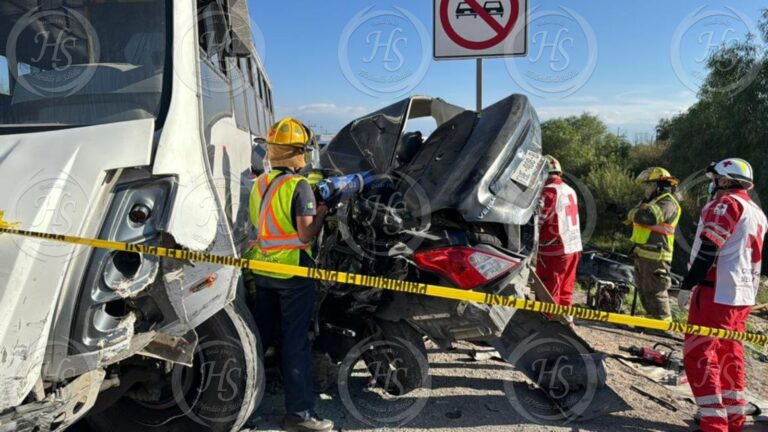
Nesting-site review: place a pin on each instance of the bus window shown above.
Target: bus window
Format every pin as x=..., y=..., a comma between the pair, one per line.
x=261, y=85
x=23, y=69
x=252, y=74
x=239, y=93
x=247, y=70
x=265, y=118
x=242, y=64
x=213, y=33
x=5, y=77
x=53, y=75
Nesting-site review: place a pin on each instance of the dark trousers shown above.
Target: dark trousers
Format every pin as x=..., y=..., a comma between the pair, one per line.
x=289, y=302
x=653, y=283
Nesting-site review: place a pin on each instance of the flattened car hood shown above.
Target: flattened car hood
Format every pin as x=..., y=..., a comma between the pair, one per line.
x=49, y=182
x=368, y=143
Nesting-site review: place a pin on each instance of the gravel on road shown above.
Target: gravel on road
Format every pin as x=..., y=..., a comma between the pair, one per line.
x=469, y=395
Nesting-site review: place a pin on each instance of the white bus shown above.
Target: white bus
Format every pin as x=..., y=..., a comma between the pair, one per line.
x=134, y=121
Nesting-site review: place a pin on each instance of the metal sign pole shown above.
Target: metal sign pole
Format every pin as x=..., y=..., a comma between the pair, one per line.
x=479, y=85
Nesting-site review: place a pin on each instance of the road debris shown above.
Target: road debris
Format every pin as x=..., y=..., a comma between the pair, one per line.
x=666, y=404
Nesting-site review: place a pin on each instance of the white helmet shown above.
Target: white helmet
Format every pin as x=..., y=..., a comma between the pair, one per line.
x=733, y=169
x=553, y=165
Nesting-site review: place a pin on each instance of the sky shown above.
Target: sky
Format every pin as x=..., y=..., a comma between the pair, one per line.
x=629, y=62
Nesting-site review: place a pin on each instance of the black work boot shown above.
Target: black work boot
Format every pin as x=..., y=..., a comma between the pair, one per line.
x=307, y=421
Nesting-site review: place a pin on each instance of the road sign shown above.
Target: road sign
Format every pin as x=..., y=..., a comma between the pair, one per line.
x=480, y=28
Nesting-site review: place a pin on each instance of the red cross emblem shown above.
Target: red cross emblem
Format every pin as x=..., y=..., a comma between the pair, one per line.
x=572, y=210
x=727, y=163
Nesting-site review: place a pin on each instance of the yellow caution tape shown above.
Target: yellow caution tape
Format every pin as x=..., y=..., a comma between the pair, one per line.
x=398, y=285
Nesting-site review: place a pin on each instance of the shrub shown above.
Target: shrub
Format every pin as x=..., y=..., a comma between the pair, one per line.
x=612, y=184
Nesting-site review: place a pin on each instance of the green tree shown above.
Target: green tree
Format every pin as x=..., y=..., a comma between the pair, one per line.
x=644, y=155
x=582, y=143
x=730, y=119
x=614, y=184
x=597, y=158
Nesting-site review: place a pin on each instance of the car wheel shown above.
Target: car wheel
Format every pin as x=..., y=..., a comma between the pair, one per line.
x=400, y=365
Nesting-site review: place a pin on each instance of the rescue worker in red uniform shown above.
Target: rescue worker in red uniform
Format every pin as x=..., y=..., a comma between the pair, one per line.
x=287, y=219
x=559, y=236
x=724, y=274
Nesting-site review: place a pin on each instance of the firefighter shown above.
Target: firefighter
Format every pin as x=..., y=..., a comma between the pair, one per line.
x=559, y=236
x=287, y=219
x=724, y=274
x=654, y=222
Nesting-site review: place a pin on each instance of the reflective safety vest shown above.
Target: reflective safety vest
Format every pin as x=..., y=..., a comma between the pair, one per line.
x=314, y=177
x=739, y=261
x=561, y=227
x=270, y=208
x=656, y=242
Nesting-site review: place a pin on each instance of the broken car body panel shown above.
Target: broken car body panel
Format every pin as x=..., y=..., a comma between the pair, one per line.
x=475, y=173
x=487, y=166
x=466, y=166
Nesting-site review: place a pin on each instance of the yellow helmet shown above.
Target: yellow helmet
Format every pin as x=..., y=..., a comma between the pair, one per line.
x=553, y=165
x=290, y=132
x=657, y=174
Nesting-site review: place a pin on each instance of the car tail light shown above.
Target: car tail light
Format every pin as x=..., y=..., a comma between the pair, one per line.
x=468, y=268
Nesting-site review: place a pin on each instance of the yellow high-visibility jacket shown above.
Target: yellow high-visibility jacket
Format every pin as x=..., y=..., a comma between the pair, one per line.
x=653, y=228
x=270, y=210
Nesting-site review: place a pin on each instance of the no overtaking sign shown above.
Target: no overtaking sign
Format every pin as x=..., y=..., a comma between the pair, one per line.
x=480, y=28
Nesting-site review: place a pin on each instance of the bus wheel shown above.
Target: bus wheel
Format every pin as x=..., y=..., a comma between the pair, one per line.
x=218, y=393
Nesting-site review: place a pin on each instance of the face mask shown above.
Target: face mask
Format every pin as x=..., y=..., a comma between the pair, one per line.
x=650, y=189
x=312, y=158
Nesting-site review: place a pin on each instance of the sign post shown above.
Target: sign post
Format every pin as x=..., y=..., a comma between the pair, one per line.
x=465, y=29
x=479, y=85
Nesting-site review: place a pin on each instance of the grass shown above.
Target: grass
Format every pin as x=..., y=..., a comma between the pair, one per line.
x=752, y=327
x=678, y=315
x=762, y=293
